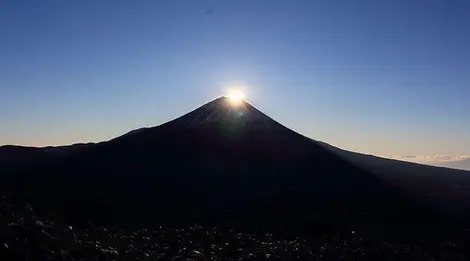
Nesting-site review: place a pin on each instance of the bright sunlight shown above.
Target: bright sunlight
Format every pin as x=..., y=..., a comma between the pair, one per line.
x=236, y=96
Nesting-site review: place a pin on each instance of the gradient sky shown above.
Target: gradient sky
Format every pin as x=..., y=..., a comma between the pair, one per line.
x=382, y=77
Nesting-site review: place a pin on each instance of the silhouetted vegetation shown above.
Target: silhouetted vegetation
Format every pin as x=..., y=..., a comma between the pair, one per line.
x=26, y=236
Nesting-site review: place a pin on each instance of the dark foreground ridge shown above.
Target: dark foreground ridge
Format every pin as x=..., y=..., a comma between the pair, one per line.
x=27, y=236
x=219, y=165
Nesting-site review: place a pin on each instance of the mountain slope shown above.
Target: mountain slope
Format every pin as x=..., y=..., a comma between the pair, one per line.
x=448, y=189
x=221, y=164
x=18, y=157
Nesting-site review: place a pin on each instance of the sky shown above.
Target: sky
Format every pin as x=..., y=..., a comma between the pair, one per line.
x=389, y=78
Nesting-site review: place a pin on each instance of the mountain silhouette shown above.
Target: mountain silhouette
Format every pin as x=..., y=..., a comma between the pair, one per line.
x=222, y=164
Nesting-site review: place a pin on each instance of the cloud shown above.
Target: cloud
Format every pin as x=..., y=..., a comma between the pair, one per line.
x=450, y=161
x=409, y=156
x=437, y=158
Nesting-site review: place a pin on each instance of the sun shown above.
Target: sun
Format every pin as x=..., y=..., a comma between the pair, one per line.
x=236, y=96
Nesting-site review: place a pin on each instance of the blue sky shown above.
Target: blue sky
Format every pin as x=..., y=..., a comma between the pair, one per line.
x=382, y=77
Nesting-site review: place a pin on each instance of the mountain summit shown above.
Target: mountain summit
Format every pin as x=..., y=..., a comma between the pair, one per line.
x=221, y=163
x=223, y=110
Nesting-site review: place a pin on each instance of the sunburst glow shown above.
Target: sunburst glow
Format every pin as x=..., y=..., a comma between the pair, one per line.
x=236, y=96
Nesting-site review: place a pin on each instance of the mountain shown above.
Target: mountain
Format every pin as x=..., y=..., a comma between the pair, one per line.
x=13, y=157
x=223, y=164
x=446, y=188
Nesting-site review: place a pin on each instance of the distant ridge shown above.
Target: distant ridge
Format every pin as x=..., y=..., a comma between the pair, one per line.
x=13, y=156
